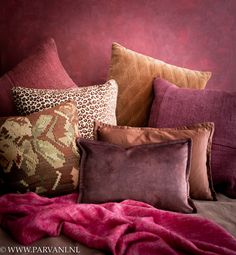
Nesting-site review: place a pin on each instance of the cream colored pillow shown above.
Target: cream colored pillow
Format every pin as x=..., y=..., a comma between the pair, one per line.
x=134, y=74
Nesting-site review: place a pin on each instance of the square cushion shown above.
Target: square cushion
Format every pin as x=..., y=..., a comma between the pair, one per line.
x=93, y=102
x=144, y=172
x=38, y=152
x=175, y=106
x=134, y=74
x=42, y=69
x=201, y=134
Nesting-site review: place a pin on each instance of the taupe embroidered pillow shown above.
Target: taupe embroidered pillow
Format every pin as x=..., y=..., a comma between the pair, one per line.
x=96, y=102
x=38, y=152
x=134, y=74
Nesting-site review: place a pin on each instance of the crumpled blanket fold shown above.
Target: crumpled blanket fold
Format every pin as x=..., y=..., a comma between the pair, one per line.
x=126, y=228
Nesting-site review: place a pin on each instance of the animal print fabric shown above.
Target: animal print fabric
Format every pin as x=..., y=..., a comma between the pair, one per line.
x=96, y=102
x=38, y=152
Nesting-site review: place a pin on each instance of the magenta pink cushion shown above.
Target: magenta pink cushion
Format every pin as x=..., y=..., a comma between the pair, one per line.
x=42, y=69
x=175, y=106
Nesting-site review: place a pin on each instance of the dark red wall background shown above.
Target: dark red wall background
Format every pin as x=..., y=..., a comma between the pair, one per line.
x=198, y=34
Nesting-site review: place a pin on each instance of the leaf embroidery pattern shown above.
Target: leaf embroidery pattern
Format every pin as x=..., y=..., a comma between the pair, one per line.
x=50, y=153
x=23, y=143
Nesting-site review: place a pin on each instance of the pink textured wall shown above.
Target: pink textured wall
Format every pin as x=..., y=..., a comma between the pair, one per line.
x=198, y=34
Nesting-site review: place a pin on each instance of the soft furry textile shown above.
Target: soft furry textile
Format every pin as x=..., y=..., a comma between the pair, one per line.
x=129, y=227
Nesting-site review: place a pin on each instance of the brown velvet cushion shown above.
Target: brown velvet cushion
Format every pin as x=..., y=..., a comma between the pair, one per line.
x=134, y=74
x=144, y=172
x=38, y=152
x=201, y=134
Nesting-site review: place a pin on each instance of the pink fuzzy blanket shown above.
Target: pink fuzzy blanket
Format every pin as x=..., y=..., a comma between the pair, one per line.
x=129, y=227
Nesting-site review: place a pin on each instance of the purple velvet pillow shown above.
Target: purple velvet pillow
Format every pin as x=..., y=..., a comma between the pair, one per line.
x=42, y=69
x=173, y=106
x=153, y=173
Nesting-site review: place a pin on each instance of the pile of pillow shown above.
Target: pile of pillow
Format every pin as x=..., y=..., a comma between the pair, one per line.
x=175, y=141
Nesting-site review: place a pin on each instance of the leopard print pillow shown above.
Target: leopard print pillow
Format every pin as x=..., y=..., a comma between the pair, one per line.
x=96, y=102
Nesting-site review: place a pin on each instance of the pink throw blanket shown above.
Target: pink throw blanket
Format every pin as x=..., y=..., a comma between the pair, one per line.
x=129, y=227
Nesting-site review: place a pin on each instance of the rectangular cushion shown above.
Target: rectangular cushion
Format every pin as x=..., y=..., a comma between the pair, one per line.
x=144, y=172
x=201, y=134
x=93, y=102
x=175, y=106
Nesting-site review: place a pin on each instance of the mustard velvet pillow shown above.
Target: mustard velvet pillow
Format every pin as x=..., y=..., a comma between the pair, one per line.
x=134, y=74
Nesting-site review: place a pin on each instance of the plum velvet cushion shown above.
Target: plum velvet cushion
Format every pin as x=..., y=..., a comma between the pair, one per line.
x=201, y=134
x=146, y=173
x=134, y=74
x=93, y=102
x=38, y=152
x=42, y=69
x=175, y=106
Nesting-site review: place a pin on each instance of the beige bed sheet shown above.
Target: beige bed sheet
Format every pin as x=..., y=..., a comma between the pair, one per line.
x=61, y=241
x=222, y=212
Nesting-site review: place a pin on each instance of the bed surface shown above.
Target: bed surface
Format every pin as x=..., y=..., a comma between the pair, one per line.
x=222, y=212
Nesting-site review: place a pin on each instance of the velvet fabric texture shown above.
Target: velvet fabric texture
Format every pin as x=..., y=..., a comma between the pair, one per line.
x=125, y=228
x=145, y=173
x=134, y=74
x=42, y=69
x=38, y=152
x=200, y=179
x=175, y=106
x=93, y=102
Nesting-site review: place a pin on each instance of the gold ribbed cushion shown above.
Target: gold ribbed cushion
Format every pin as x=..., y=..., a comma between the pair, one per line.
x=134, y=74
